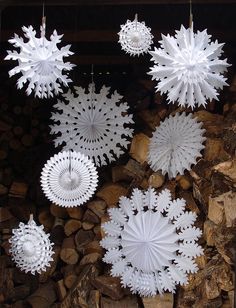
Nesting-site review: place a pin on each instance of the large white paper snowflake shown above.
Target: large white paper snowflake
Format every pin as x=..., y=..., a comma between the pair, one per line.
x=187, y=67
x=31, y=248
x=40, y=62
x=176, y=144
x=93, y=124
x=135, y=38
x=69, y=179
x=151, y=242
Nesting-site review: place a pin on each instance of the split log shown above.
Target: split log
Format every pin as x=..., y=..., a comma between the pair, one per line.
x=126, y=302
x=109, y=286
x=18, y=190
x=71, y=226
x=57, y=233
x=68, y=253
x=156, y=179
x=69, y=275
x=75, y=212
x=111, y=193
x=98, y=207
x=119, y=173
x=94, y=299
x=159, y=301
x=139, y=147
x=80, y=291
x=61, y=290
x=82, y=238
x=46, y=219
x=58, y=211
x=87, y=225
x=44, y=296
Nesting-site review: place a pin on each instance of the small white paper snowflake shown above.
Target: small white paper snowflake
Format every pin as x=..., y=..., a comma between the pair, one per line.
x=31, y=248
x=93, y=124
x=135, y=38
x=176, y=144
x=151, y=242
x=187, y=67
x=69, y=179
x=40, y=62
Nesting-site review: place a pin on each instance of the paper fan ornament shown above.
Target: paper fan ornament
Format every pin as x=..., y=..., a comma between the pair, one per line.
x=31, y=248
x=135, y=38
x=176, y=144
x=151, y=242
x=69, y=179
x=188, y=67
x=40, y=62
x=93, y=124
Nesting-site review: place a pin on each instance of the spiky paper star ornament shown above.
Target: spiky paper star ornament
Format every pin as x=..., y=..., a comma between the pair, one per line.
x=135, y=37
x=31, y=248
x=40, y=62
x=69, y=179
x=151, y=242
x=93, y=124
x=188, y=67
x=176, y=144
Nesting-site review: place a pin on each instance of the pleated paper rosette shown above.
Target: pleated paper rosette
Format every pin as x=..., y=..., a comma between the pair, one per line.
x=31, y=248
x=69, y=179
x=151, y=242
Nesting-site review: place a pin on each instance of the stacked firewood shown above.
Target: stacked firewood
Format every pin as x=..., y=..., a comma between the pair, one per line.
x=77, y=276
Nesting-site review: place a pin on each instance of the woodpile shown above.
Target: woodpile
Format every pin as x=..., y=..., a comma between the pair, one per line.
x=77, y=276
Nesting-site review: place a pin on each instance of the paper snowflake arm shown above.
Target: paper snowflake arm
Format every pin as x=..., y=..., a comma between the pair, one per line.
x=135, y=38
x=40, y=62
x=176, y=144
x=93, y=124
x=188, y=69
x=148, y=243
x=31, y=248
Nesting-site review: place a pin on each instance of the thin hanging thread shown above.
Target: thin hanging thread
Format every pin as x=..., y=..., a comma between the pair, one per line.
x=190, y=14
x=136, y=20
x=92, y=90
x=43, y=26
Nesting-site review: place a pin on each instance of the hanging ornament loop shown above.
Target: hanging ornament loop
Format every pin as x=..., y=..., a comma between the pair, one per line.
x=190, y=14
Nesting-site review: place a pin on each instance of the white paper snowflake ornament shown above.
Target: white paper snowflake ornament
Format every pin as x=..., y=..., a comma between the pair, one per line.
x=69, y=179
x=31, y=248
x=40, y=62
x=135, y=38
x=93, y=124
x=151, y=242
x=176, y=144
x=188, y=67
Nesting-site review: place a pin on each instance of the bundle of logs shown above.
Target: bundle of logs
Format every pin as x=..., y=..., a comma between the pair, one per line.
x=77, y=276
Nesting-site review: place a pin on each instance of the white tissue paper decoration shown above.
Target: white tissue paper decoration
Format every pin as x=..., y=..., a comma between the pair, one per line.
x=135, y=38
x=176, y=144
x=40, y=62
x=187, y=67
x=93, y=124
x=31, y=248
x=69, y=179
x=151, y=242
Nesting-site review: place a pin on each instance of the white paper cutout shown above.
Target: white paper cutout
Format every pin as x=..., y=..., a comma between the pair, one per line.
x=69, y=179
x=135, y=38
x=151, y=242
x=176, y=144
x=31, y=248
x=93, y=124
x=187, y=67
x=40, y=62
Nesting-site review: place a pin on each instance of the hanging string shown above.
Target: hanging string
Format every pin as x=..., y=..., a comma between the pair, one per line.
x=190, y=14
x=43, y=26
x=136, y=20
x=93, y=86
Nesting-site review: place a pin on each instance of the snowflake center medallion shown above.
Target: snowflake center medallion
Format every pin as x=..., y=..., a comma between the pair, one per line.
x=70, y=180
x=44, y=67
x=28, y=248
x=141, y=247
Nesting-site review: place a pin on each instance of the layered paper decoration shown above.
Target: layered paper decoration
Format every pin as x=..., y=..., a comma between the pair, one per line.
x=93, y=124
x=151, y=242
x=69, y=179
x=135, y=38
x=31, y=248
x=188, y=68
x=176, y=144
x=40, y=62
